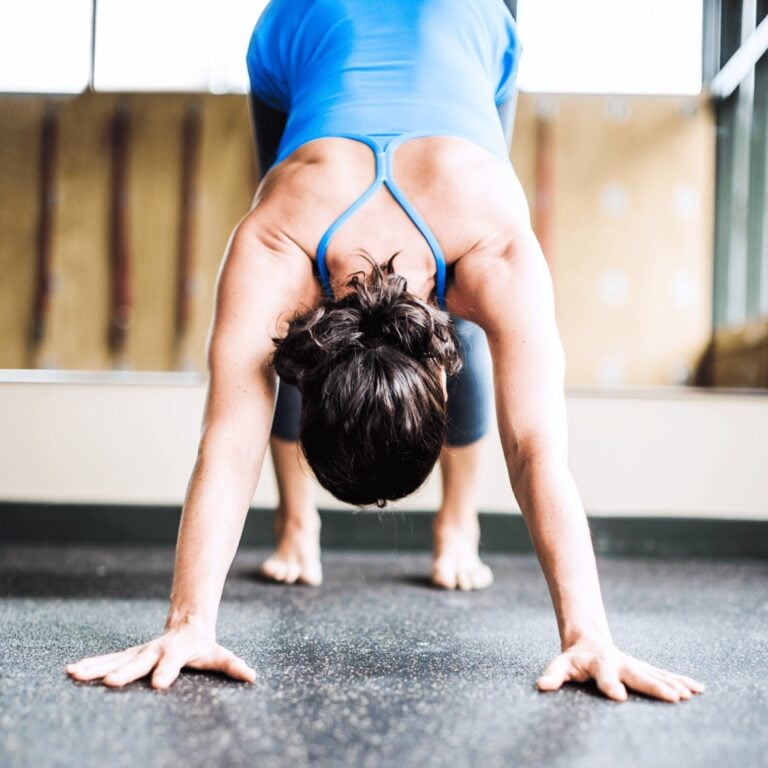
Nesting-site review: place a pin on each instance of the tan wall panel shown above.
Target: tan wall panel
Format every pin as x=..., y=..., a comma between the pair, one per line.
x=79, y=314
x=632, y=237
x=155, y=212
x=77, y=333
x=631, y=213
x=19, y=179
x=227, y=171
x=523, y=152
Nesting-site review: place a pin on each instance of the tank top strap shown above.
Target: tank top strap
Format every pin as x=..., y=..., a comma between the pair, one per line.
x=414, y=215
x=381, y=169
x=384, y=154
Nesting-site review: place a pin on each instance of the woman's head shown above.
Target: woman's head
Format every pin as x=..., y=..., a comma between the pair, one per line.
x=370, y=367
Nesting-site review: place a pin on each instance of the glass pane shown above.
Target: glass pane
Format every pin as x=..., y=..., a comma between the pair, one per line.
x=611, y=46
x=45, y=46
x=176, y=45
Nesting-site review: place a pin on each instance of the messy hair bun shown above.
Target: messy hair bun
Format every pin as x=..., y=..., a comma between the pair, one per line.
x=369, y=367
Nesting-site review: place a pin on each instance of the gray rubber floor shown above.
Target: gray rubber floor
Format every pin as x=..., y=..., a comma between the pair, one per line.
x=375, y=668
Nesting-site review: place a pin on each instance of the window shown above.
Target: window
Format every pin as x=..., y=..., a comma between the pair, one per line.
x=173, y=45
x=741, y=234
x=610, y=46
x=45, y=46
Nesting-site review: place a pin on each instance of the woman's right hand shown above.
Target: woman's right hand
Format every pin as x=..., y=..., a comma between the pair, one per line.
x=164, y=657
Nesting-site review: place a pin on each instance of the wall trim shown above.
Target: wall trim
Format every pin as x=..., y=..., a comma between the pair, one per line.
x=152, y=525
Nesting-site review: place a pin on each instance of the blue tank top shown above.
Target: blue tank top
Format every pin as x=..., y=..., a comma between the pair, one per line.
x=381, y=72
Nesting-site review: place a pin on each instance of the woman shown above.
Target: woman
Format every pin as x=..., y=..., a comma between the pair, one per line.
x=456, y=530
x=359, y=80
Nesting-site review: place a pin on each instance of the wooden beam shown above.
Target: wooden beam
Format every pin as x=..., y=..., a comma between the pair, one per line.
x=190, y=194
x=543, y=221
x=49, y=140
x=120, y=314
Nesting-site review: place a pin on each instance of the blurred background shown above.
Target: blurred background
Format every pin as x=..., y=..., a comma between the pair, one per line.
x=126, y=159
x=641, y=139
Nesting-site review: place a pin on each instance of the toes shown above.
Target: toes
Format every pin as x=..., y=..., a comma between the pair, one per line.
x=273, y=568
x=312, y=575
x=482, y=576
x=443, y=575
x=292, y=572
x=479, y=576
x=465, y=581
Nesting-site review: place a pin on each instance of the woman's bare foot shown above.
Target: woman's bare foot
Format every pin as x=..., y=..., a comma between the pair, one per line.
x=455, y=529
x=456, y=563
x=296, y=559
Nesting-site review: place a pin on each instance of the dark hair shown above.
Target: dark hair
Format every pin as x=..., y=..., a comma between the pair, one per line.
x=368, y=366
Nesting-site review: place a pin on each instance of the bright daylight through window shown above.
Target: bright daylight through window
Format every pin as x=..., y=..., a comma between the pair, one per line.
x=610, y=46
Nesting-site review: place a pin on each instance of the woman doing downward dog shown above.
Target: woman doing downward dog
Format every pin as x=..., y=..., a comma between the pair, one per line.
x=387, y=259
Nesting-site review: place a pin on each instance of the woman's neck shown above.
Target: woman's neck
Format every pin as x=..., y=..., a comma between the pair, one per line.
x=418, y=272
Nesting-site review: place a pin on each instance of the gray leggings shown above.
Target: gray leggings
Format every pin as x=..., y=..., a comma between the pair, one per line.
x=469, y=393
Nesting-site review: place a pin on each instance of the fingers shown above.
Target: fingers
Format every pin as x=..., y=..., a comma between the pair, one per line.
x=167, y=670
x=614, y=672
x=226, y=662
x=682, y=690
x=672, y=681
x=137, y=667
x=559, y=670
x=606, y=675
x=685, y=691
x=688, y=682
x=103, y=657
x=238, y=669
x=98, y=666
x=167, y=656
x=693, y=685
x=647, y=683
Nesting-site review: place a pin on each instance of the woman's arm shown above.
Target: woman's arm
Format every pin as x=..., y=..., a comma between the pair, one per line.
x=262, y=277
x=506, y=288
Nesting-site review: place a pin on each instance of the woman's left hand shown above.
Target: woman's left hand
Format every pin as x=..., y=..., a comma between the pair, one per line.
x=614, y=671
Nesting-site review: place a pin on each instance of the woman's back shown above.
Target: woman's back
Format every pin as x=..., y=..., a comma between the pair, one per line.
x=427, y=73
x=465, y=195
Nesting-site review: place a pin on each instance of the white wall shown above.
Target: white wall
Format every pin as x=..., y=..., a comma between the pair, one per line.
x=132, y=437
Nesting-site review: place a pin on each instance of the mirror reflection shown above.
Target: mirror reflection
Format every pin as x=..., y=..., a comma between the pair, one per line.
x=640, y=145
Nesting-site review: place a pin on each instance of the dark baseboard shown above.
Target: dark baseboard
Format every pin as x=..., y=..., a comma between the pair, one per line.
x=110, y=524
